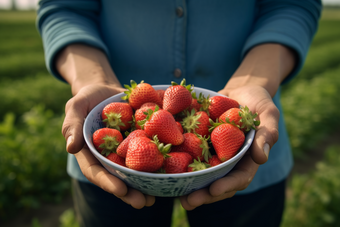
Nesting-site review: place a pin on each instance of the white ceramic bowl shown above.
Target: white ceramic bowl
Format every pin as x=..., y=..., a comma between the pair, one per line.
x=165, y=185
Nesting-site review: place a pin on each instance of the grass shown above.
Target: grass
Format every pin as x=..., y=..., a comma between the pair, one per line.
x=309, y=101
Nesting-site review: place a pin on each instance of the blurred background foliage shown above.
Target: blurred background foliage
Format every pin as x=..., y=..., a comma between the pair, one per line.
x=33, y=156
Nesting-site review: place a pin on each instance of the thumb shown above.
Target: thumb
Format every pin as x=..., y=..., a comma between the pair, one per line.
x=75, y=114
x=266, y=135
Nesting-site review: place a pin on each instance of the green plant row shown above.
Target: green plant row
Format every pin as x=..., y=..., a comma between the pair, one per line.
x=30, y=64
x=327, y=32
x=32, y=161
x=320, y=59
x=21, y=50
x=311, y=110
x=30, y=91
x=19, y=37
x=313, y=199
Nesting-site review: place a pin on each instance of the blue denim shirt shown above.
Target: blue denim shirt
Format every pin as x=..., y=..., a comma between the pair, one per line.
x=202, y=41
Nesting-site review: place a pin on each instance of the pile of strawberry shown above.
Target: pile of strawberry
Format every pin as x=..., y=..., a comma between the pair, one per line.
x=172, y=130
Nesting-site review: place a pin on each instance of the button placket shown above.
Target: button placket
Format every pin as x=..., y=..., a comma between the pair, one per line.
x=180, y=39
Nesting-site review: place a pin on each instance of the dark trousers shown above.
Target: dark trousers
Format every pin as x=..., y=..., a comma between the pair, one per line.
x=95, y=207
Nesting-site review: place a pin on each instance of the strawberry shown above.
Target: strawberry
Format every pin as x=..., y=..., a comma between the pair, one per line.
x=117, y=115
x=177, y=162
x=219, y=104
x=141, y=113
x=161, y=95
x=180, y=126
x=241, y=117
x=177, y=97
x=146, y=155
x=114, y=157
x=161, y=123
x=197, y=165
x=195, y=105
x=199, y=103
x=226, y=139
x=214, y=160
x=138, y=94
x=123, y=146
x=194, y=144
x=197, y=122
x=106, y=140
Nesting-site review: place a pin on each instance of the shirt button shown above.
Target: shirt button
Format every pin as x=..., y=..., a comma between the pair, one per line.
x=179, y=11
x=177, y=73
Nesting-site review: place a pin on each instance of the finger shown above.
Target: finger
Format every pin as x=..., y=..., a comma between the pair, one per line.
x=135, y=198
x=95, y=173
x=236, y=180
x=201, y=197
x=267, y=133
x=185, y=204
x=150, y=200
x=75, y=114
x=195, y=199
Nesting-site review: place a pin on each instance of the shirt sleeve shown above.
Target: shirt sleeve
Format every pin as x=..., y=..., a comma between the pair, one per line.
x=63, y=22
x=288, y=22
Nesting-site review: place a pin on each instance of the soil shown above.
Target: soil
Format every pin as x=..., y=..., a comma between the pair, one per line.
x=48, y=214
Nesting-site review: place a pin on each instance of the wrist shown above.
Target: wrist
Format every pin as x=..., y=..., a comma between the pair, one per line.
x=266, y=65
x=82, y=65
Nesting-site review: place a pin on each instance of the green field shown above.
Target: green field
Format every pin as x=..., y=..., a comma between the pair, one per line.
x=33, y=158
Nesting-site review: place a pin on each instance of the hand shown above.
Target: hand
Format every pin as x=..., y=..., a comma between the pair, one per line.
x=258, y=100
x=77, y=108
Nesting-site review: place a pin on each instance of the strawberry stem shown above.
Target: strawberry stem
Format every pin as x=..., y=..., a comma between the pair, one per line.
x=189, y=87
x=248, y=119
x=198, y=165
x=164, y=149
x=113, y=120
x=190, y=122
x=110, y=145
x=130, y=89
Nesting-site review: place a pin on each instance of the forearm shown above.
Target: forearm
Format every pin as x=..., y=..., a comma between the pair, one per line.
x=81, y=65
x=266, y=65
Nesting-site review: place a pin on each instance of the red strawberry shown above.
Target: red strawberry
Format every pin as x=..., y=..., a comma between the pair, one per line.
x=197, y=165
x=227, y=139
x=195, y=105
x=116, y=159
x=197, y=122
x=214, y=160
x=163, y=124
x=161, y=95
x=177, y=97
x=145, y=154
x=123, y=146
x=199, y=103
x=149, y=104
x=194, y=144
x=241, y=117
x=117, y=115
x=177, y=162
x=219, y=104
x=141, y=93
x=141, y=113
x=106, y=140
x=180, y=127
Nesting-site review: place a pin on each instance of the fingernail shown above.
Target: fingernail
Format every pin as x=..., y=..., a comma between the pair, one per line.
x=266, y=149
x=69, y=141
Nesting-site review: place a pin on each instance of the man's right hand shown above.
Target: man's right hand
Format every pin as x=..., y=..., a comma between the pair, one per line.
x=77, y=108
x=92, y=80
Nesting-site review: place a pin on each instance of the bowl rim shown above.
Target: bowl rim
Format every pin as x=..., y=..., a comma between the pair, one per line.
x=86, y=127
